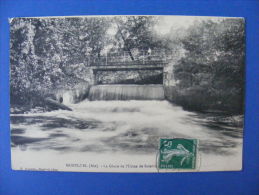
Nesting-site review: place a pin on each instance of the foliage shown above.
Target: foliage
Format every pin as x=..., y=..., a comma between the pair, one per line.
x=213, y=65
x=42, y=50
x=135, y=33
x=208, y=57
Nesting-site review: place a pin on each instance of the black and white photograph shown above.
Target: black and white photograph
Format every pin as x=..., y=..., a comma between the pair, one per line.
x=97, y=93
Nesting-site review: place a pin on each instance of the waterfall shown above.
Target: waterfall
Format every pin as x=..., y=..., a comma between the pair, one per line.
x=126, y=92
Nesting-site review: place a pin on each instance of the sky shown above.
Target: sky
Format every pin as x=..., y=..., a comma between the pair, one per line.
x=167, y=22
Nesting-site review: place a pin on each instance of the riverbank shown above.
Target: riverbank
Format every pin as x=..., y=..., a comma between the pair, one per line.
x=200, y=100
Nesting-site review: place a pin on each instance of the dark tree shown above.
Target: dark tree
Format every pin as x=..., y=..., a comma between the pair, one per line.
x=213, y=64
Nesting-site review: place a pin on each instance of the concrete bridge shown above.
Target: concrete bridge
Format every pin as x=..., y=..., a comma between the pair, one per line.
x=128, y=70
x=118, y=63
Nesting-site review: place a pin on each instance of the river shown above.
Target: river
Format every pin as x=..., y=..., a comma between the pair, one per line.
x=118, y=132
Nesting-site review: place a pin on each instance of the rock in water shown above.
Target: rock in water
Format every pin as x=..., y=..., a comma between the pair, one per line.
x=56, y=104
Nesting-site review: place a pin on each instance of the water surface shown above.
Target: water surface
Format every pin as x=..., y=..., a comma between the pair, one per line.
x=119, y=127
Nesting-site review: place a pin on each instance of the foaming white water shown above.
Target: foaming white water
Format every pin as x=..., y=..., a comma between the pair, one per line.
x=126, y=92
x=135, y=115
x=96, y=130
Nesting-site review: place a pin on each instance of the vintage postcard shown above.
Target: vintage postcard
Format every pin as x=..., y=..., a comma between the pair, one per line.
x=127, y=93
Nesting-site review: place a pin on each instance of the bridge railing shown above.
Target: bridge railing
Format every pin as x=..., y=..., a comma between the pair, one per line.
x=124, y=58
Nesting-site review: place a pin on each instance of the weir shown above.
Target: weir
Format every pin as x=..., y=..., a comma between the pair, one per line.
x=126, y=92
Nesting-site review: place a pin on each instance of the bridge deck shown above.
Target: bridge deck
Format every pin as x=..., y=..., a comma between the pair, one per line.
x=128, y=67
x=123, y=59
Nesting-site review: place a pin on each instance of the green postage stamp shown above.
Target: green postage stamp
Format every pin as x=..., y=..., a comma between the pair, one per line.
x=177, y=153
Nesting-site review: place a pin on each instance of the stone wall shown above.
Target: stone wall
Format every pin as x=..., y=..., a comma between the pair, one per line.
x=83, y=72
x=86, y=73
x=164, y=76
x=168, y=76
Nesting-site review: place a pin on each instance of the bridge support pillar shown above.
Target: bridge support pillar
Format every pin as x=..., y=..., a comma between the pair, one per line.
x=91, y=77
x=94, y=77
